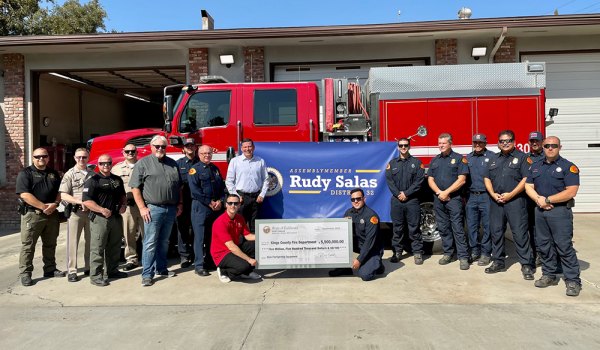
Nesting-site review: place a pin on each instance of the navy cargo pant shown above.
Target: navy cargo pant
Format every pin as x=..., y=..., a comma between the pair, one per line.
x=478, y=213
x=515, y=213
x=449, y=219
x=202, y=220
x=554, y=239
x=406, y=214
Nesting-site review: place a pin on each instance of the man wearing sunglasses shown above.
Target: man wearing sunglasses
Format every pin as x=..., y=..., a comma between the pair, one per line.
x=366, y=239
x=208, y=194
x=71, y=190
x=553, y=184
x=536, y=153
x=478, y=202
x=133, y=224
x=156, y=186
x=37, y=186
x=505, y=182
x=447, y=174
x=104, y=195
x=185, y=237
x=404, y=176
x=233, y=259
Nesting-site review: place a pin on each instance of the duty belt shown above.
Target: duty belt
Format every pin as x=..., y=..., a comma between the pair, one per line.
x=249, y=194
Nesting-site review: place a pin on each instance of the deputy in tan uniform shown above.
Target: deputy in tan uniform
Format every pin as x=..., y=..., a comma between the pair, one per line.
x=70, y=189
x=133, y=224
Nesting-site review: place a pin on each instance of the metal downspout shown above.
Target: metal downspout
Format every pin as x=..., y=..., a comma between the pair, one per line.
x=498, y=43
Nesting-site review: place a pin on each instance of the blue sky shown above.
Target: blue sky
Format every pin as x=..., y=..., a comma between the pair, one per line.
x=156, y=15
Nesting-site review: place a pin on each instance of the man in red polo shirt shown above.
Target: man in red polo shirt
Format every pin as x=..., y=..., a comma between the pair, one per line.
x=232, y=259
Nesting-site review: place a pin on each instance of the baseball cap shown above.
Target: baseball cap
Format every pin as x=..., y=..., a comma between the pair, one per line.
x=536, y=135
x=479, y=138
x=188, y=141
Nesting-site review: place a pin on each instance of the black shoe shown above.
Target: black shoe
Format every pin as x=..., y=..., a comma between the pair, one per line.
x=55, y=273
x=418, y=259
x=380, y=270
x=527, y=272
x=185, y=264
x=117, y=274
x=344, y=271
x=147, y=282
x=26, y=281
x=202, y=272
x=484, y=260
x=86, y=272
x=73, y=277
x=495, y=268
x=573, y=289
x=396, y=257
x=464, y=264
x=130, y=266
x=538, y=261
x=445, y=260
x=546, y=281
x=99, y=283
x=166, y=273
x=474, y=257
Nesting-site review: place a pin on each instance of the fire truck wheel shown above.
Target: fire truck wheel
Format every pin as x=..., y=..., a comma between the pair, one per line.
x=429, y=229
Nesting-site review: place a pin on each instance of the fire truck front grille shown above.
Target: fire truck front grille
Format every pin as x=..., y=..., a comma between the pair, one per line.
x=141, y=141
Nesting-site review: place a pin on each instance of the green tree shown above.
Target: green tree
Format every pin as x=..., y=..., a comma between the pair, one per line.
x=34, y=17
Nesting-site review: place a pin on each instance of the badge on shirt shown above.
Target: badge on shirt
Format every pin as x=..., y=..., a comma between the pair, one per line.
x=515, y=161
x=362, y=221
x=453, y=161
x=374, y=220
x=192, y=171
x=558, y=170
x=574, y=169
x=487, y=160
x=412, y=165
x=51, y=176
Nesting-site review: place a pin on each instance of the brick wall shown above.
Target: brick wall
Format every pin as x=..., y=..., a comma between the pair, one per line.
x=446, y=52
x=16, y=131
x=198, y=64
x=254, y=64
x=507, y=53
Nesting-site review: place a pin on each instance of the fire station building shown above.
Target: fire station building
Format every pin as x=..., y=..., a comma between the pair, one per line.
x=60, y=91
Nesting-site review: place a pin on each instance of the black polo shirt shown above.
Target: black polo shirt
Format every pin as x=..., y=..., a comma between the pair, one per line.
x=106, y=191
x=42, y=184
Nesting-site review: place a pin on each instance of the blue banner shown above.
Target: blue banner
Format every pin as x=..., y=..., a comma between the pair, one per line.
x=314, y=180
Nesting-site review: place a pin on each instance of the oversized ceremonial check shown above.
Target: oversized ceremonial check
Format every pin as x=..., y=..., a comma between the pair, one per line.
x=303, y=243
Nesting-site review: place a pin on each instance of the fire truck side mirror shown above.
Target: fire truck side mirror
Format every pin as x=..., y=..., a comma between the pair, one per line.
x=230, y=154
x=168, y=108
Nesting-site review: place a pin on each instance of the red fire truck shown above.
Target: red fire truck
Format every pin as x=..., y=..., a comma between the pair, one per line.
x=394, y=102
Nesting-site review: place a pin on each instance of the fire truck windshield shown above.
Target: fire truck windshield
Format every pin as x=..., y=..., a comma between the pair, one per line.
x=205, y=109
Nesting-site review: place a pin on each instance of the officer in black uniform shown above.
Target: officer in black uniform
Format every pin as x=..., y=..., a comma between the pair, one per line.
x=185, y=238
x=505, y=181
x=104, y=195
x=447, y=174
x=404, y=176
x=478, y=202
x=366, y=239
x=37, y=187
x=535, y=154
x=207, y=189
x=552, y=184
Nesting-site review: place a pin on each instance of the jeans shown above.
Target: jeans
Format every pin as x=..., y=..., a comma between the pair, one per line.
x=478, y=212
x=156, y=239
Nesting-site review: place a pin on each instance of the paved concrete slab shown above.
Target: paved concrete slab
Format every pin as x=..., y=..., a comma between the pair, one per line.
x=428, y=306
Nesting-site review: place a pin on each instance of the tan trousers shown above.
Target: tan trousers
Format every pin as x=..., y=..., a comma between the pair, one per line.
x=77, y=222
x=133, y=227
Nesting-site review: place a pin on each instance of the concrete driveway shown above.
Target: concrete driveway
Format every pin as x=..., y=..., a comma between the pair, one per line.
x=428, y=306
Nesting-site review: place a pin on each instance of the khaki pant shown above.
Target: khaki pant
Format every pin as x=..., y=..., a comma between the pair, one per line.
x=133, y=227
x=105, y=245
x=34, y=226
x=77, y=222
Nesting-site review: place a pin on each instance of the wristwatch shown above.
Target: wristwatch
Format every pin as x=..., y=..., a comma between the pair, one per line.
x=548, y=200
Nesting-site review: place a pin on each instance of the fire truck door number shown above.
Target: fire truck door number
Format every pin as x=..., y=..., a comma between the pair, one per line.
x=523, y=147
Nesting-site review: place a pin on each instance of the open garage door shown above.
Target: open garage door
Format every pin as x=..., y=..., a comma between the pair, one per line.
x=573, y=86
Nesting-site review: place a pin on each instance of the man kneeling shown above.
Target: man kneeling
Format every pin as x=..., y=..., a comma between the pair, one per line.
x=231, y=258
x=366, y=238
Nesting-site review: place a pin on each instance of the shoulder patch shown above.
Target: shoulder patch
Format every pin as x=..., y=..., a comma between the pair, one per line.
x=192, y=171
x=374, y=220
x=574, y=169
x=464, y=160
x=422, y=166
x=387, y=167
x=529, y=161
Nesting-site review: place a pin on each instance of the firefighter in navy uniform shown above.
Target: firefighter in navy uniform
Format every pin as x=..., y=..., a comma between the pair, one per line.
x=207, y=189
x=552, y=184
x=37, y=187
x=535, y=154
x=447, y=174
x=404, y=176
x=185, y=238
x=505, y=182
x=366, y=240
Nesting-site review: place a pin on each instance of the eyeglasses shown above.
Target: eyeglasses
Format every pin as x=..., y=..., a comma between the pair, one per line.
x=233, y=203
x=130, y=151
x=160, y=146
x=403, y=146
x=551, y=145
x=505, y=142
x=81, y=157
x=356, y=199
x=105, y=163
x=41, y=156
